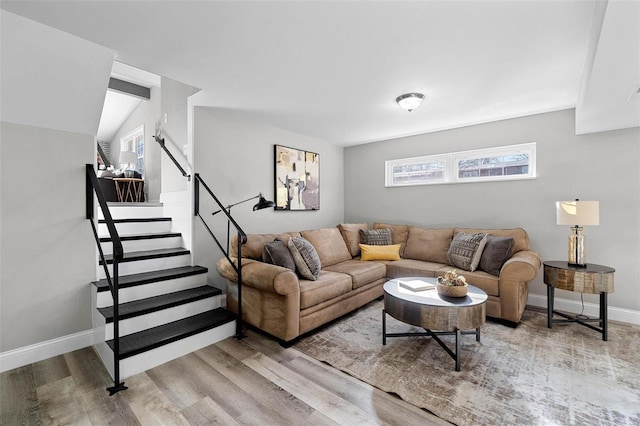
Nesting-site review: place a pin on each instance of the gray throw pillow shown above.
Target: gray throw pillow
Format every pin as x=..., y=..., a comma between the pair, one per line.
x=376, y=237
x=465, y=250
x=306, y=258
x=496, y=252
x=277, y=253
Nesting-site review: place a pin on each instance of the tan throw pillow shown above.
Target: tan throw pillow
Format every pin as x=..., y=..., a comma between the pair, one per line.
x=465, y=250
x=306, y=258
x=351, y=235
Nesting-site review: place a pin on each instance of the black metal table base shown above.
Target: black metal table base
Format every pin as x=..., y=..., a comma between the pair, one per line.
x=601, y=320
x=433, y=334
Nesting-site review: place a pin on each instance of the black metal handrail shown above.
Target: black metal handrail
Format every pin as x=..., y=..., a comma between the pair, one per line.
x=242, y=239
x=242, y=236
x=164, y=148
x=92, y=185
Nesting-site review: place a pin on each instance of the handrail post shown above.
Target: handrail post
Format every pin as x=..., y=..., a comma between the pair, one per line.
x=92, y=185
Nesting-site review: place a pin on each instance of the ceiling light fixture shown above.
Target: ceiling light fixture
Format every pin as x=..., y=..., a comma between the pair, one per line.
x=410, y=101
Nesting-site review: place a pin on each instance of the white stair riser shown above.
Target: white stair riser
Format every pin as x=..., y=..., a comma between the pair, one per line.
x=142, y=245
x=132, y=212
x=129, y=294
x=148, y=265
x=134, y=228
x=154, y=319
x=147, y=360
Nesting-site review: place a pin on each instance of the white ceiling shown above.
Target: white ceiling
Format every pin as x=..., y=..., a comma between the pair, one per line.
x=332, y=69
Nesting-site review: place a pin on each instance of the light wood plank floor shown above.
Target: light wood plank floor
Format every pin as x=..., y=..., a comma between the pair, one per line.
x=253, y=381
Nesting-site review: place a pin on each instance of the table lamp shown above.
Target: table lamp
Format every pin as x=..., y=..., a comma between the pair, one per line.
x=577, y=213
x=128, y=157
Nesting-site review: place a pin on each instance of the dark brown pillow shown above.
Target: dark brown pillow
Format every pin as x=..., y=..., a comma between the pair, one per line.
x=277, y=253
x=376, y=237
x=496, y=252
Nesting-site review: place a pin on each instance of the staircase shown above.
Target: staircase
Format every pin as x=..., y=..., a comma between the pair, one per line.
x=166, y=308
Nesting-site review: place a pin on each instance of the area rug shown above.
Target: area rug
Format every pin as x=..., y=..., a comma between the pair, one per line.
x=524, y=375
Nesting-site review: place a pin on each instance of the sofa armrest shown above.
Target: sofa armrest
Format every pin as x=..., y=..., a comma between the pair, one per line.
x=522, y=266
x=262, y=276
x=514, y=283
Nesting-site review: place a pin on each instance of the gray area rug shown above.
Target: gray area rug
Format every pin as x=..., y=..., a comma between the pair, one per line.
x=525, y=375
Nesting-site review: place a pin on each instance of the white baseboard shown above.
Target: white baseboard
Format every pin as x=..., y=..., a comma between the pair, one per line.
x=40, y=351
x=590, y=309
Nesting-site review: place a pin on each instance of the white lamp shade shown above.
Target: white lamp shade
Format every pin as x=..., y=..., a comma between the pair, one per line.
x=128, y=157
x=578, y=213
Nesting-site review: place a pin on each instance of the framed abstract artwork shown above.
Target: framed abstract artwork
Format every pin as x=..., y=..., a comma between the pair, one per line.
x=297, y=179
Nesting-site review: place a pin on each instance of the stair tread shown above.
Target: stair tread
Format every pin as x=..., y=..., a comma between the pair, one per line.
x=148, y=254
x=149, y=236
x=153, y=276
x=157, y=303
x=139, y=220
x=136, y=343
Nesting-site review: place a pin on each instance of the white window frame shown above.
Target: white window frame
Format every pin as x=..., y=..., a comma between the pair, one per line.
x=127, y=143
x=452, y=159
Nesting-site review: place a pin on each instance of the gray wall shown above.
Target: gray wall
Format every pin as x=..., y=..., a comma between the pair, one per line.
x=48, y=252
x=147, y=113
x=602, y=166
x=174, y=131
x=236, y=159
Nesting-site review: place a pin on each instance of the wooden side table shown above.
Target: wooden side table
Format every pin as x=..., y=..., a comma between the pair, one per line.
x=591, y=279
x=129, y=189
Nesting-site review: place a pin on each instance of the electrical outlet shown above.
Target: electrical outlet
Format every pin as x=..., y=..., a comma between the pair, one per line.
x=166, y=118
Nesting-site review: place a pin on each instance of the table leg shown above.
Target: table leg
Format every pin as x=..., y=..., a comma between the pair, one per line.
x=384, y=328
x=478, y=334
x=458, y=337
x=119, y=191
x=603, y=315
x=550, y=291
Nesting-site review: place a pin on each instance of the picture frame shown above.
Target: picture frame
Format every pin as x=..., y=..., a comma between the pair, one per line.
x=297, y=179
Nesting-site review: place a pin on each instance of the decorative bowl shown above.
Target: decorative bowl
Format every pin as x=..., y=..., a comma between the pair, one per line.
x=452, y=290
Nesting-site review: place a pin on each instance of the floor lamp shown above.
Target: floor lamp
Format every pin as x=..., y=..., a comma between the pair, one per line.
x=261, y=204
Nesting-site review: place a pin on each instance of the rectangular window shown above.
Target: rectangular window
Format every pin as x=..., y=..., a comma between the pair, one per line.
x=481, y=165
x=134, y=141
x=416, y=171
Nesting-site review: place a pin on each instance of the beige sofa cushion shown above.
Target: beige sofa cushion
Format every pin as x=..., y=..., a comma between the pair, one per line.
x=328, y=286
x=351, y=235
x=361, y=273
x=411, y=268
x=430, y=244
x=520, y=235
x=329, y=244
x=255, y=243
x=487, y=282
x=399, y=234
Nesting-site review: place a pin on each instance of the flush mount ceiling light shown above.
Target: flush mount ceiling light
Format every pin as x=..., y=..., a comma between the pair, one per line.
x=410, y=101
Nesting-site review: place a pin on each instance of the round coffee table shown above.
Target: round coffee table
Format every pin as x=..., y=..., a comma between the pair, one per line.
x=438, y=315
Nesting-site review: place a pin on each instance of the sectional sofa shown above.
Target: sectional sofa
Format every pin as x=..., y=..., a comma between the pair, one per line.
x=277, y=300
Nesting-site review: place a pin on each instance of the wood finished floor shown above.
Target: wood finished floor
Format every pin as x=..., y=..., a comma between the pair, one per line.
x=249, y=382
